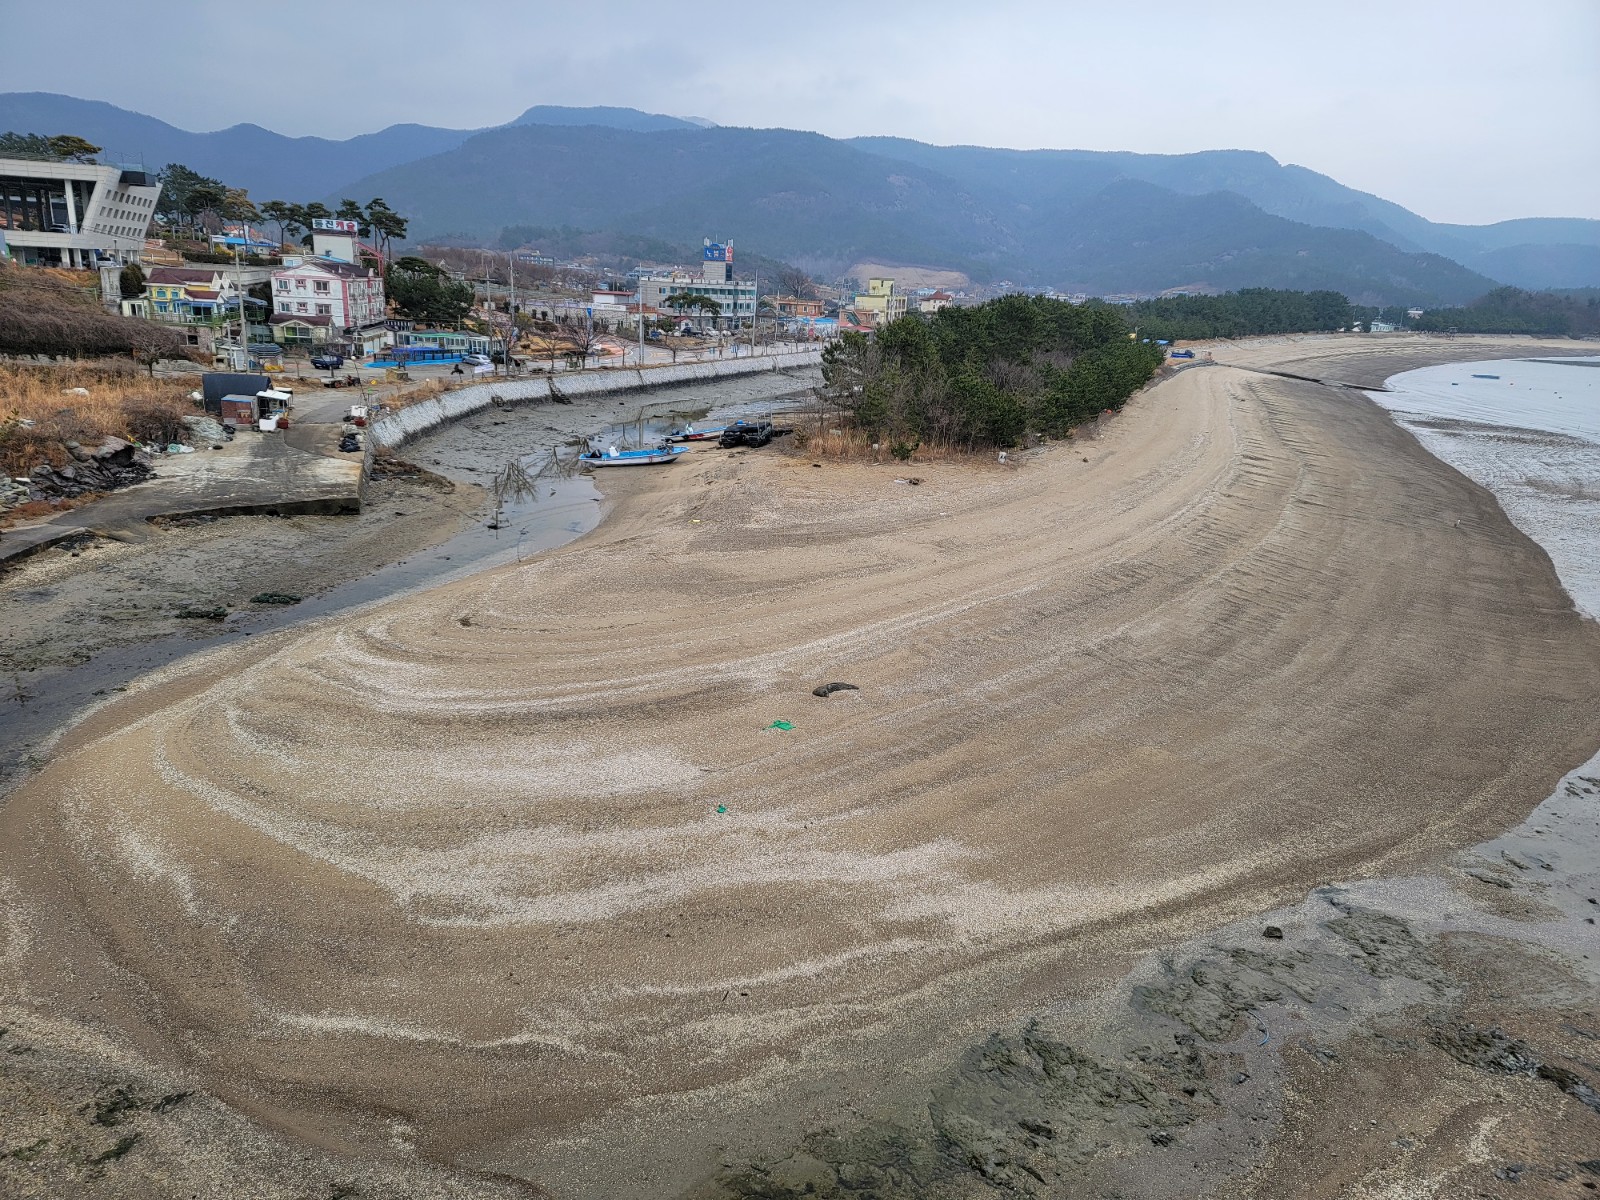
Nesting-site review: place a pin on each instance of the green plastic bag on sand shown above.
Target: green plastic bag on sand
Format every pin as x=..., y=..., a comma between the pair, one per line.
x=781, y=725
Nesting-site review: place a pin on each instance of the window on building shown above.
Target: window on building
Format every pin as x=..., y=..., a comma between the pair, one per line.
x=325, y=310
x=283, y=306
x=300, y=306
x=322, y=286
x=299, y=285
x=283, y=285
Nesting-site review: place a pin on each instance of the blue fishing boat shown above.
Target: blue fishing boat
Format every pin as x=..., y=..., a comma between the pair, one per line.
x=632, y=458
x=1486, y=377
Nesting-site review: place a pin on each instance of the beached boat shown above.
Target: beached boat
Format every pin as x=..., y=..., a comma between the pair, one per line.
x=690, y=434
x=1486, y=377
x=633, y=458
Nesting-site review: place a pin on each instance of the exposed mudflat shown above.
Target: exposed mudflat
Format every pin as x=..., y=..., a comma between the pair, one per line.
x=514, y=875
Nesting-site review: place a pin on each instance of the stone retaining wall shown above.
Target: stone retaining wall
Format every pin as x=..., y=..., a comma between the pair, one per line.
x=397, y=428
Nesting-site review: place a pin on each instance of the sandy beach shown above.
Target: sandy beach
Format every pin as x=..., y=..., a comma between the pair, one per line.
x=511, y=885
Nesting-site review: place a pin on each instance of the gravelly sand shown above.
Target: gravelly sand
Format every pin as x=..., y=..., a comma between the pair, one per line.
x=457, y=862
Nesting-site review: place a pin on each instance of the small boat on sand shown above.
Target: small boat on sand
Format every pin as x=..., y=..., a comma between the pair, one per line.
x=633, y=458
x=690, y=434
x=1486, y=377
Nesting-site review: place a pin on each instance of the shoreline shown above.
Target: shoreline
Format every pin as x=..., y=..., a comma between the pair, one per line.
x=120, y=600
x=825, y=519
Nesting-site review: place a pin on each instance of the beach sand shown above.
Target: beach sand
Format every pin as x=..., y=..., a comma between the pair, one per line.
x=517, y=867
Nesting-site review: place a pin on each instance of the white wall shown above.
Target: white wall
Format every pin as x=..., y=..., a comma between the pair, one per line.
x=400, y=427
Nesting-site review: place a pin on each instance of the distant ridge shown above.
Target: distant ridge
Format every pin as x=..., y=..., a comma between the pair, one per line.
x=1222, y=218
x=610, y=118
x=827, y=204
x=270, y=165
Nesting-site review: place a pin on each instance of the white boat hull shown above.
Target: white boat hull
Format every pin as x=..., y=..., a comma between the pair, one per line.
x=635, y=458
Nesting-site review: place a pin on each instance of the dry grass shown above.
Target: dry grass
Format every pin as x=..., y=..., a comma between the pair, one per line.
x=830, y=435
x=122, y=402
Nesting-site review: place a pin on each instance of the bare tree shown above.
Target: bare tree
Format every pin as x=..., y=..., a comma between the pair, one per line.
x=792, y=281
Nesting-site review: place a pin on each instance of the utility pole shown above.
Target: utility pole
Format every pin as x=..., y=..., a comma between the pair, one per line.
x=640, y=283
x=238, y=285
x=511, y=337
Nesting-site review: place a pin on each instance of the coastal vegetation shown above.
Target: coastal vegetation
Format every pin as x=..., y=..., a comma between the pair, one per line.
x=424, y=292
x=63, y=147
x=193, y=202
x=50, y=312
x=1249, y=312
x=1512, y=310
x=986, y=376
x=44, y=407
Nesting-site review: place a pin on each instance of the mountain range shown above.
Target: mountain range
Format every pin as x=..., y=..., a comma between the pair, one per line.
x=1079, y=220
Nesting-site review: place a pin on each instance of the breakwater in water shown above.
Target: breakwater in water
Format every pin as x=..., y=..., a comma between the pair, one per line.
x=395, y=429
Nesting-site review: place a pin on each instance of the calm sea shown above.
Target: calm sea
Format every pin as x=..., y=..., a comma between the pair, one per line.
x=1532, y=437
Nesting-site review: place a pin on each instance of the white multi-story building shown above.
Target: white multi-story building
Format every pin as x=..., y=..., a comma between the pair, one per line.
x=81, y=215
x=318, y=300
x=736, y=296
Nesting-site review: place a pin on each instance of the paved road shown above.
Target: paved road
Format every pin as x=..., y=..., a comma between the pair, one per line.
x=297, y=470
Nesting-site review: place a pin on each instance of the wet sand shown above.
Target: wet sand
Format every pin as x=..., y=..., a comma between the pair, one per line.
x=454, y=864
x=87, y=617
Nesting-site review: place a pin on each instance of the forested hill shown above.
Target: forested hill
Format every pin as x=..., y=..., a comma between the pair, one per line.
x=1079, y=220
x=827, y=204
x=266, y=164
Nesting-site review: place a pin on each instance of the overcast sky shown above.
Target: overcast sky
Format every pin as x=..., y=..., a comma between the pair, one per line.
x=1462, y=110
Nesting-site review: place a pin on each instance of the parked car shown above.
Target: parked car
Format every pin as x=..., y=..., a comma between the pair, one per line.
x=477, y=360
x=746, y=433
x=327, y=362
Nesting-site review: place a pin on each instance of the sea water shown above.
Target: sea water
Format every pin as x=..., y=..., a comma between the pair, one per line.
x=1532, y=437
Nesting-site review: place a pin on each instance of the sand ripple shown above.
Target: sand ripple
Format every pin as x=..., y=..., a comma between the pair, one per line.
x=460, y=857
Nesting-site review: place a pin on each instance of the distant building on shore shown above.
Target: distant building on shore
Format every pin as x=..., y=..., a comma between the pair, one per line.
x=796, y=306
x=880, y=303
x=75, y=215
x=329, y=298
x=715, y=281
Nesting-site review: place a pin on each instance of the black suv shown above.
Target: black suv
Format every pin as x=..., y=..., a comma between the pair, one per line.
x=746, y=433
x=327, y=362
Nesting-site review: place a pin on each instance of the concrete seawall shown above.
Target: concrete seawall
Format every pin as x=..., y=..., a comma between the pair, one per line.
x=398, y=428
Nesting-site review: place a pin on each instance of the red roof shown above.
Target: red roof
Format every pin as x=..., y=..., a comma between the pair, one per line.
x=308, y=318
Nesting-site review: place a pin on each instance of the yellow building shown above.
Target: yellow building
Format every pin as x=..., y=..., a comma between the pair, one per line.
x=881, y=301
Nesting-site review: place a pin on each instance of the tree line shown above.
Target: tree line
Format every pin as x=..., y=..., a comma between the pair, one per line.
x=987, y=376
x=1249, y=312
x=1254, y=311
x=63, y=147
x=199, y=203
x=1512, y=310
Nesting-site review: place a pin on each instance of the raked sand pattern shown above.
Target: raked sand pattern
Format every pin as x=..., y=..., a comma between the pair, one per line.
x=458, y=860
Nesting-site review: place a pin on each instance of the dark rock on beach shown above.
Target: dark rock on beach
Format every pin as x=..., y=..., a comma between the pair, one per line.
x=828, y=689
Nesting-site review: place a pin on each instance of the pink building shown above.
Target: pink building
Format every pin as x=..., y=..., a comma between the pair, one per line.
x=319, y=300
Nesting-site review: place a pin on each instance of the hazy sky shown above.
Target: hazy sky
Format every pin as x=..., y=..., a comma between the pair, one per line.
x=1463, y=110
